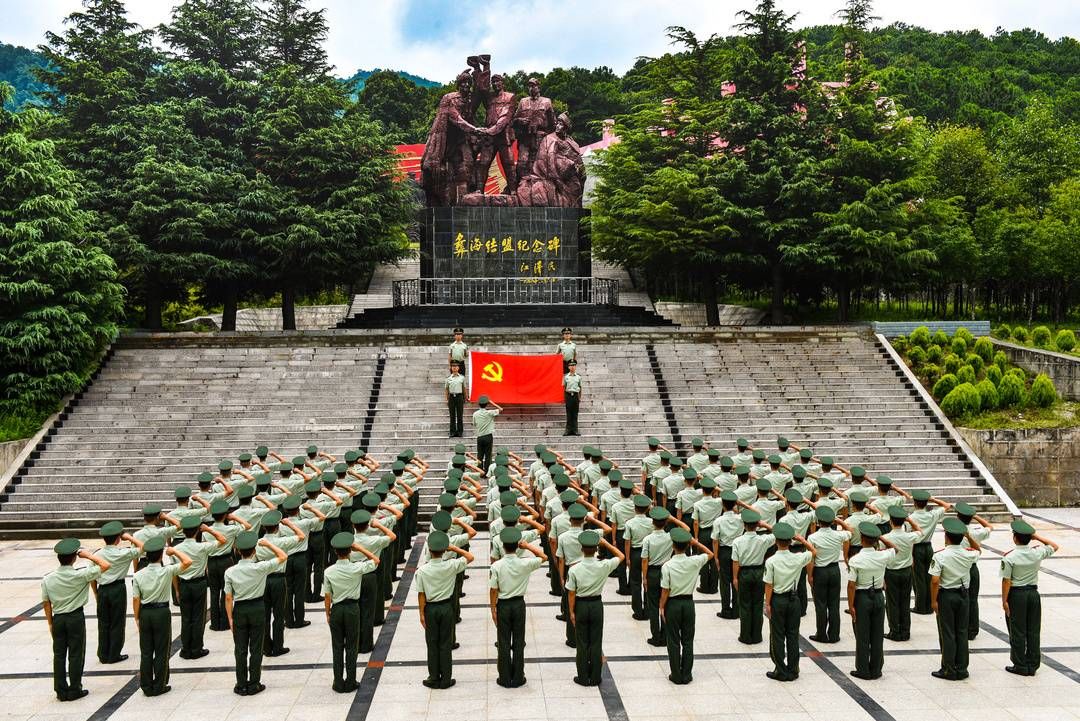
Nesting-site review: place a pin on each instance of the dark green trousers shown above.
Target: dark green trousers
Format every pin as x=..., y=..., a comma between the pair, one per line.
x=69, y=653
x=621, y=571
x=439, y=637
x=484, y=445
x=344, y=640
x=553, y=571
x=724, y=581
x=564, y=608
x=330, y=528
x=589, y=632
x=652, y=603
x=192, y=615
x=869, y=632
x=386, y=563
x=751, y=603
x=249, y=620
x=510, y=624
x=1024, y=622
x=369, y=599
x=633, y=581
x=679, y=631
x=952, y=620
x=709, y=578
x=573, y=403
x=456, y=406
x=295, y=589
x=111, y=616
x=155, y=637
x=316, y=566
x=785, y=611
x=973, y=604
x=921, y=556
x=215, y=582
x=827, y=602
x=274, y=598
x=898, y=603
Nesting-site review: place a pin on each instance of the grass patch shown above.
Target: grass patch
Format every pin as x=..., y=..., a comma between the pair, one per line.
x=1061, y=415
x=23, y=425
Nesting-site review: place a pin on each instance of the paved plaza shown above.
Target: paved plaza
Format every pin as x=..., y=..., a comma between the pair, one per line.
x=729, y=678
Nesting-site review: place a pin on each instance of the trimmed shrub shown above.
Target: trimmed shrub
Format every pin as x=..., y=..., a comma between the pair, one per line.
x=993, y=374
x=984, y=349
x=1043, y=394
x=941, y=338
x=988, y=395
x=1001, y=361
x=1010, y=391
x=920, y=336
x=916, y=357
x=959, y=347
x=931, y=372
x=1040, y=336
x=1020, y=334
x=1019, y=373
x=965, y=334
x=962, y=401
x=1065, y=341
x=952, y=363
x=966, y=374
x=934, y=354
x=944, y=386
x=900, y=343
x=975, y=361
x=1003, y=332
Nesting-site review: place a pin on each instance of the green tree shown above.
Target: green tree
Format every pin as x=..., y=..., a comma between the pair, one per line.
x=293, y=35
x=223, y=32
x=398, y=104
x=58, y=294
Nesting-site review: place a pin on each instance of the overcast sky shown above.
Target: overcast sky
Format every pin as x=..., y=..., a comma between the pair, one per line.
x=431, y=38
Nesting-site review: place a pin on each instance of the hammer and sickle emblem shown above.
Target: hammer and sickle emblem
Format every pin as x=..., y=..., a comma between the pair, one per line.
x=493, y=372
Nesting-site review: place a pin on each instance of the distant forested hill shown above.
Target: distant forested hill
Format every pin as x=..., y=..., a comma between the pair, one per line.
x=15, y=68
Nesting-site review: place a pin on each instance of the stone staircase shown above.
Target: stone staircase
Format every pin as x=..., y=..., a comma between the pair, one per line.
x=162, y=410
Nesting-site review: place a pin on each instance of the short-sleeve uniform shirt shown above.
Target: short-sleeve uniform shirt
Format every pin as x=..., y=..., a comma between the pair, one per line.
x=68, y=588
x=484, y=421
x=679, y=575
x=153, y=583
x=783, y=569
x=1021, y=565
x=436, y=578
x=510, y=575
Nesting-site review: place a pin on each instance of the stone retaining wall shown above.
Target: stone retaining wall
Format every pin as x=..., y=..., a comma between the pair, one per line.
x=9, y=451
x=1037, y=467
x=1063, y=369
x=693, y=314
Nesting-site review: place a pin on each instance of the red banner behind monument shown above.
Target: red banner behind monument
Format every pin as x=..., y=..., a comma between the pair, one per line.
x=516, y=378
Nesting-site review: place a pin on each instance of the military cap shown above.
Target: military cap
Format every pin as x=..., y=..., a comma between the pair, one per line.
x=455, y=473
x=350, y=457
x=713, y=453
x=247, y=540
x=568, y=496
x=245, y=457
x=825, y=483
x=341, y=468
x=954, y=526
x=1022, y=527
x=676, y=462
x=459, y=330
x=458, y=460
x=271, y=518
x=774, y=459
x=783, y=532
x=328, y=477
x=605, y=465
x=67, y=546
x=503, y=482
x=826, y=460
x=567, y=330
x=284, y=467
x=759, y=454
x=245, y=491
x=182, y=492
x=869, y=530
x=920, y=494
x=883, y=480
x=441, y=521
x=626, y=485
x=262, y=479
x=151, y=509
x=782, y=443
x=205, y=477
x=763, y=485
x=571, y=363
x=509, y=514
x=806, y=454
x=189, y=522
x=459, y=449
x=898, y=512
x=154, y=544
x=262, y=451
x=793, y=496
x=653, y=441
x=589, y=539
x=292, y=503
x=361, y=517
x=749, y=515
x=561, y=480
x=587, y=450
x=858, y=472
x=539, y=449
x=680, y=535
x=407, y=454
x=361, y=452
x=398, y=466
x=659, y=513
x=742, y=470
x=112, y=528
x=689, y=474
x=964, y=509
x=225, y=466
x=615, y=475
x=665, y=455
x=641, y=501
x=577, y=510
x=825, y=514
x=597, y=453
x=501, y=462
x=312, y=449
x=742, y=443
x=341, y=540
x=438, y=541
x=483, y=400
x=312, y=486
x=726, y=462
x=697, y=442
x=298, y=461
x=381, y=488
x=387, y=478
x=798, y=473
x=451, y=485
x=508, y=498
x=728, y=495
x=857, y=496
x=510, y=536
x=707, y=483
x=219, y=506
x=547, y=457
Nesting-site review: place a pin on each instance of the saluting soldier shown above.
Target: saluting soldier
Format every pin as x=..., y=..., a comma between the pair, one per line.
x=782, y=605
x=866, y=601
x=965, y=512
x=508, y=581
x=928, y=513
x=748, y=567
x=1020, y=596
x=455, y=388
x=221, y=558
x=704, y=512
x=341, y=585
x=193, y=586
x=585, y=584
x=699, y=458
x=572, y=395
x=950, y=580
x=296, y=568
x=276, y=593
x=111, y=591
x=799, y=520
x=567, y=348
x=634, y=532
x=154, y=524
x=898, y=573
x=650, y=463
x=150, y=604
x=832, y=546
x=619, y=513
x=375, y=537
x=484, y=425
x=436, y=586
x=655, y=552
x=245, y=584
x=744, y=456
x=677, y=580
x=459, y=351
x=64, y=592
x=725, y=529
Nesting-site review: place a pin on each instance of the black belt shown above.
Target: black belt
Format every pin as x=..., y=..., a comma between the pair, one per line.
x=681, y=596
x=192, y=580
x=572, y=393
x=829, y=565
x=747, y=568
x=161, y=604
x=1023, y=588
x=248, y=602
x=924, y=543
x=869, y=590
x=792, y=592
x=962, y=589
x=512, y=599
x=110, y=583
x=279, y=573
x=586, y=598
x=438, y=603
x=69, y=613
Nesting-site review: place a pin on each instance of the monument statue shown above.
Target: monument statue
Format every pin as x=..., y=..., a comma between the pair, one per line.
x=534, y=119
x=449, y=154
x=497, y=138
x=558, y=171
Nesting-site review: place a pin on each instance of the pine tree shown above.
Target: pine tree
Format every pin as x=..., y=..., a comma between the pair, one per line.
x=294, y=35
x=223, y=32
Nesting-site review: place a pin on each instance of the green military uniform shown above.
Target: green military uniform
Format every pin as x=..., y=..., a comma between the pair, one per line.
x=455, y=389
x=193, y=592
x=867, y=572
x=112, y=595
x=246, y=584
x=637, y=528
x=586, y=581
x=726, y=528
x=572, y=399
x=484, y=425
x=829, y=543
x=922, y=553
x=650, y=463
x=151, y=529
x=952, y=565
x=679, y=576
x=568, y=350
x=371, y=596
x=799, y=520
x=618, y=514
x=220, y=559
x=437, y=580
x=558, y=524
x=655, y=552
x=704, y=512
x=782, y=571
x=151, y=585
x=898, y=578
x=458, y=351
x=1020, y=567
x=748, y=550
x=980, y=533
x=341, y=583
x=276, y=590
x=510, y=575
x=568, y=550
x=68, y=589
x=296, y=575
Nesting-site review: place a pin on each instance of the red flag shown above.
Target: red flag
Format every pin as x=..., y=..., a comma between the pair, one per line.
x=516, y=378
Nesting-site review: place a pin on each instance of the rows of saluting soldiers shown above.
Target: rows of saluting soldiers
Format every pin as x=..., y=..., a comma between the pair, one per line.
x=759, y=530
